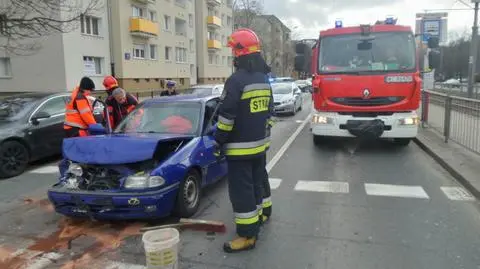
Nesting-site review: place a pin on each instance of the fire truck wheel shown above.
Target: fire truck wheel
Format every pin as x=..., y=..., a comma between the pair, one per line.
x=402, y=141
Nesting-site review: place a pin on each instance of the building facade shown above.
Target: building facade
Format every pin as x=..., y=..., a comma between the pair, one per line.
x=214, y=25
x=62, y=59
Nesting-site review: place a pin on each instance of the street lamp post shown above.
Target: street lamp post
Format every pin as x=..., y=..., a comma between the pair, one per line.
x=472, y=60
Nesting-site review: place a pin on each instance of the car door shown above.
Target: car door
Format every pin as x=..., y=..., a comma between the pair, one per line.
x=47, y=134
x=216, y=167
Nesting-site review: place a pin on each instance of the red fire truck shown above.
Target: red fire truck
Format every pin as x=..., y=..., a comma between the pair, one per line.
x=366, y=82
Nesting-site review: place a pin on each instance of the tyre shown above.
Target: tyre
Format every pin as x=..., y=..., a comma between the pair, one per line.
x=14, y=158
x=188, y=197
x=294, y=110
x=318, y=140
x=403, y=142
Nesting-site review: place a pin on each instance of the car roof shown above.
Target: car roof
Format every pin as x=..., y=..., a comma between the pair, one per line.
x=35, y=95
x=206, y=85
x=194, y=98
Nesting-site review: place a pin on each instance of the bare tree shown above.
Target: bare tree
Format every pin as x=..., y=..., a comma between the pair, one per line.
x=245, y=12
x=24, y=22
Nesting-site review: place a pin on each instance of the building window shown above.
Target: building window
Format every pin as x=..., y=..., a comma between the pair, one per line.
x=181, y=55
x=229, y=20
x=92, y=65
x=167, y=21
x=230, y=61
x=168, y=51
x=137, y=12
x=224, y=59
x=5, y=67
x=223, y=19
x=139, y=51
x=192, y=45
x=210, y=58
x=190, y=20
x=89, y=25
x=217, y=59
x=153, y=52
x=152, y=15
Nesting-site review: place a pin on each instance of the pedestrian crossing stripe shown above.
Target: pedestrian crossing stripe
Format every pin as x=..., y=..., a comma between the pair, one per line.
x=375, y=189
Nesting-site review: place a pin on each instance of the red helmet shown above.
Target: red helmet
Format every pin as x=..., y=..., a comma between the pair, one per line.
x=243, y=42
x=110, y=82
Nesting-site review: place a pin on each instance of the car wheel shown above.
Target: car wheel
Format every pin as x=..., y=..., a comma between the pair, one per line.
x=403, y=142
x=14, y=159
x=188, y=197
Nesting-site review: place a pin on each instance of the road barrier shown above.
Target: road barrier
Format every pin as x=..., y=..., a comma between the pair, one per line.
x=457, y=89
x=456, y=118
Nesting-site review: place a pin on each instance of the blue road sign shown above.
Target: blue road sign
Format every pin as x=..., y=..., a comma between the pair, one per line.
x=431, y=28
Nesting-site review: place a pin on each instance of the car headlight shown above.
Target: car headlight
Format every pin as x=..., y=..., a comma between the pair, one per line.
x=75, y=170
x=143, y=182
x=321, y=119
x=409, y=121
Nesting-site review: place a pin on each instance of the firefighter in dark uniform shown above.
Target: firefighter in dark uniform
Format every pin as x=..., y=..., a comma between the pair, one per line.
x=241, y=136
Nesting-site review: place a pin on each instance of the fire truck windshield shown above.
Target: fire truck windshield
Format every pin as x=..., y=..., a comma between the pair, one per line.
x=376, y=53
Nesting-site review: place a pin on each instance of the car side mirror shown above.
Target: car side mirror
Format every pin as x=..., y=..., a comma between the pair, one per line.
x=96, y=129
x=40, y=115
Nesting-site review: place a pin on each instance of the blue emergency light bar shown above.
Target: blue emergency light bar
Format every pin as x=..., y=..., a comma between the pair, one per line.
x=390, y=20
x=338, y=24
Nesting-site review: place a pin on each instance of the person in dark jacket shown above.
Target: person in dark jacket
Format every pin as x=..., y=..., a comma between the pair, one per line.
x=241, y=136
x=119, y=104
x=170, y=90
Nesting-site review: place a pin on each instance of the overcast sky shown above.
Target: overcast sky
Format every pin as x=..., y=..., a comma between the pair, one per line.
x=310, y=16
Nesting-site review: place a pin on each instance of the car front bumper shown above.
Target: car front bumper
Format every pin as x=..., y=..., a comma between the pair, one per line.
x=114, y=205
x=284, y=108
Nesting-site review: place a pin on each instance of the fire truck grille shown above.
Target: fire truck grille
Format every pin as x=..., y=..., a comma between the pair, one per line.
x=373, y=101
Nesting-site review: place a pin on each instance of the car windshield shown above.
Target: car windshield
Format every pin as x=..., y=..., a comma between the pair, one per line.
x=379, y=52
x=165, y=118
x=13, y=108
x=281, y=88
x=200, y=90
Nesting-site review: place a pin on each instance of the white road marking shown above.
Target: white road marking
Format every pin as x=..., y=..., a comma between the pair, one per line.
x=274, y=183
x=299, y=121
x=457, y=194
x=322, y=186
x=50, y=169
x=287, y=144
x=121, y=265
x=396, y=191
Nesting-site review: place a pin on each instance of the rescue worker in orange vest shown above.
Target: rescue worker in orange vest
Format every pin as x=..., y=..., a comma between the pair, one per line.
x=79, y=114
x=241, y=134
x=119, y=104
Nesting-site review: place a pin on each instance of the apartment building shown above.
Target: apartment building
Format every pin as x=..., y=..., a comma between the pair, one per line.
x=153, y=40
x=214, y=25
x=62, y=59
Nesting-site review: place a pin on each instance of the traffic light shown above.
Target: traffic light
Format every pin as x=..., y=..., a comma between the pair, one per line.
x=303, y=50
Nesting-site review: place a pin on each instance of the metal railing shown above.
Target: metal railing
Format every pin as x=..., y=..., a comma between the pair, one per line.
x=457, y=89
x=456, y=118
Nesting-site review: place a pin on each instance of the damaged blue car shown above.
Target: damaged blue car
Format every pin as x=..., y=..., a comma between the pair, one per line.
x=155, y=163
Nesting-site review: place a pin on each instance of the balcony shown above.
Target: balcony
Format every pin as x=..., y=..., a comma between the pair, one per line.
x=214, y=21
x=146, y=1
x=143, y=27
x=214, y=2
x=213, y=44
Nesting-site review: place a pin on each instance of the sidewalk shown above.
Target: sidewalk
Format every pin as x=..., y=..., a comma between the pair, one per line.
x=461, y=163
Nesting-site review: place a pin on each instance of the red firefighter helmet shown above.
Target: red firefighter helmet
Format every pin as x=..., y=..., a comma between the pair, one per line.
x=243, y=41
x=110, y=82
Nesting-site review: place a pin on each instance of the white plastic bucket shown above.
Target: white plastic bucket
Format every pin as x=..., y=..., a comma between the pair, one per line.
x=161, y=248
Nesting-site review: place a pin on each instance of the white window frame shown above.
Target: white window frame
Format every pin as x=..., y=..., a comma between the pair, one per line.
x=181, y=55
x=138, y=47
x=190, y=20
x=167, y=23
x=152, y=15
x=141, y=12
x=8, y=67
x=168, y=53
x=97, y=63
x=153, y=48
x=211, y=58
x=86, y=25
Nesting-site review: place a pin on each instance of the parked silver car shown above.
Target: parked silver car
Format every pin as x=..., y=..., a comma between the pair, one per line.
x=213, y=89
x=287, y=97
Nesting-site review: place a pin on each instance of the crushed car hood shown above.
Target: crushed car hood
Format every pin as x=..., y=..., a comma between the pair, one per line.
x=114, y=148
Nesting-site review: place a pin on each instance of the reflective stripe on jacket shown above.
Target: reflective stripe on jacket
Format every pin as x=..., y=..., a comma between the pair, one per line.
x=78, y=112
x=243, y=115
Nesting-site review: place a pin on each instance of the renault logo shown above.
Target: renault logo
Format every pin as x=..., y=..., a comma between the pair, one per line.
x=133, y=201
x=366, y=93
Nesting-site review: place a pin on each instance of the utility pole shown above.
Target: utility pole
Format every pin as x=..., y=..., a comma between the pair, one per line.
x=472, y=61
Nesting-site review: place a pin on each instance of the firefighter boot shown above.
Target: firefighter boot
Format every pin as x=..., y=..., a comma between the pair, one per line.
x=240, y=244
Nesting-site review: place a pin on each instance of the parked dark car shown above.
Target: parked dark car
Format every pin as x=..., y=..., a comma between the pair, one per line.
x=31, y=128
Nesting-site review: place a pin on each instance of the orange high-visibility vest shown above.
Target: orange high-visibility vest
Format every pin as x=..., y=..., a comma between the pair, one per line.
x=78, y=113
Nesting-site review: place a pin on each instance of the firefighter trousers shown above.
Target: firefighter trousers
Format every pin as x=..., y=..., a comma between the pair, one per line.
x=245, y=179
x=266, y=208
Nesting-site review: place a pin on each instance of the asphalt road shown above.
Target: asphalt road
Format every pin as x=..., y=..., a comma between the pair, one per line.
x=340, y=206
